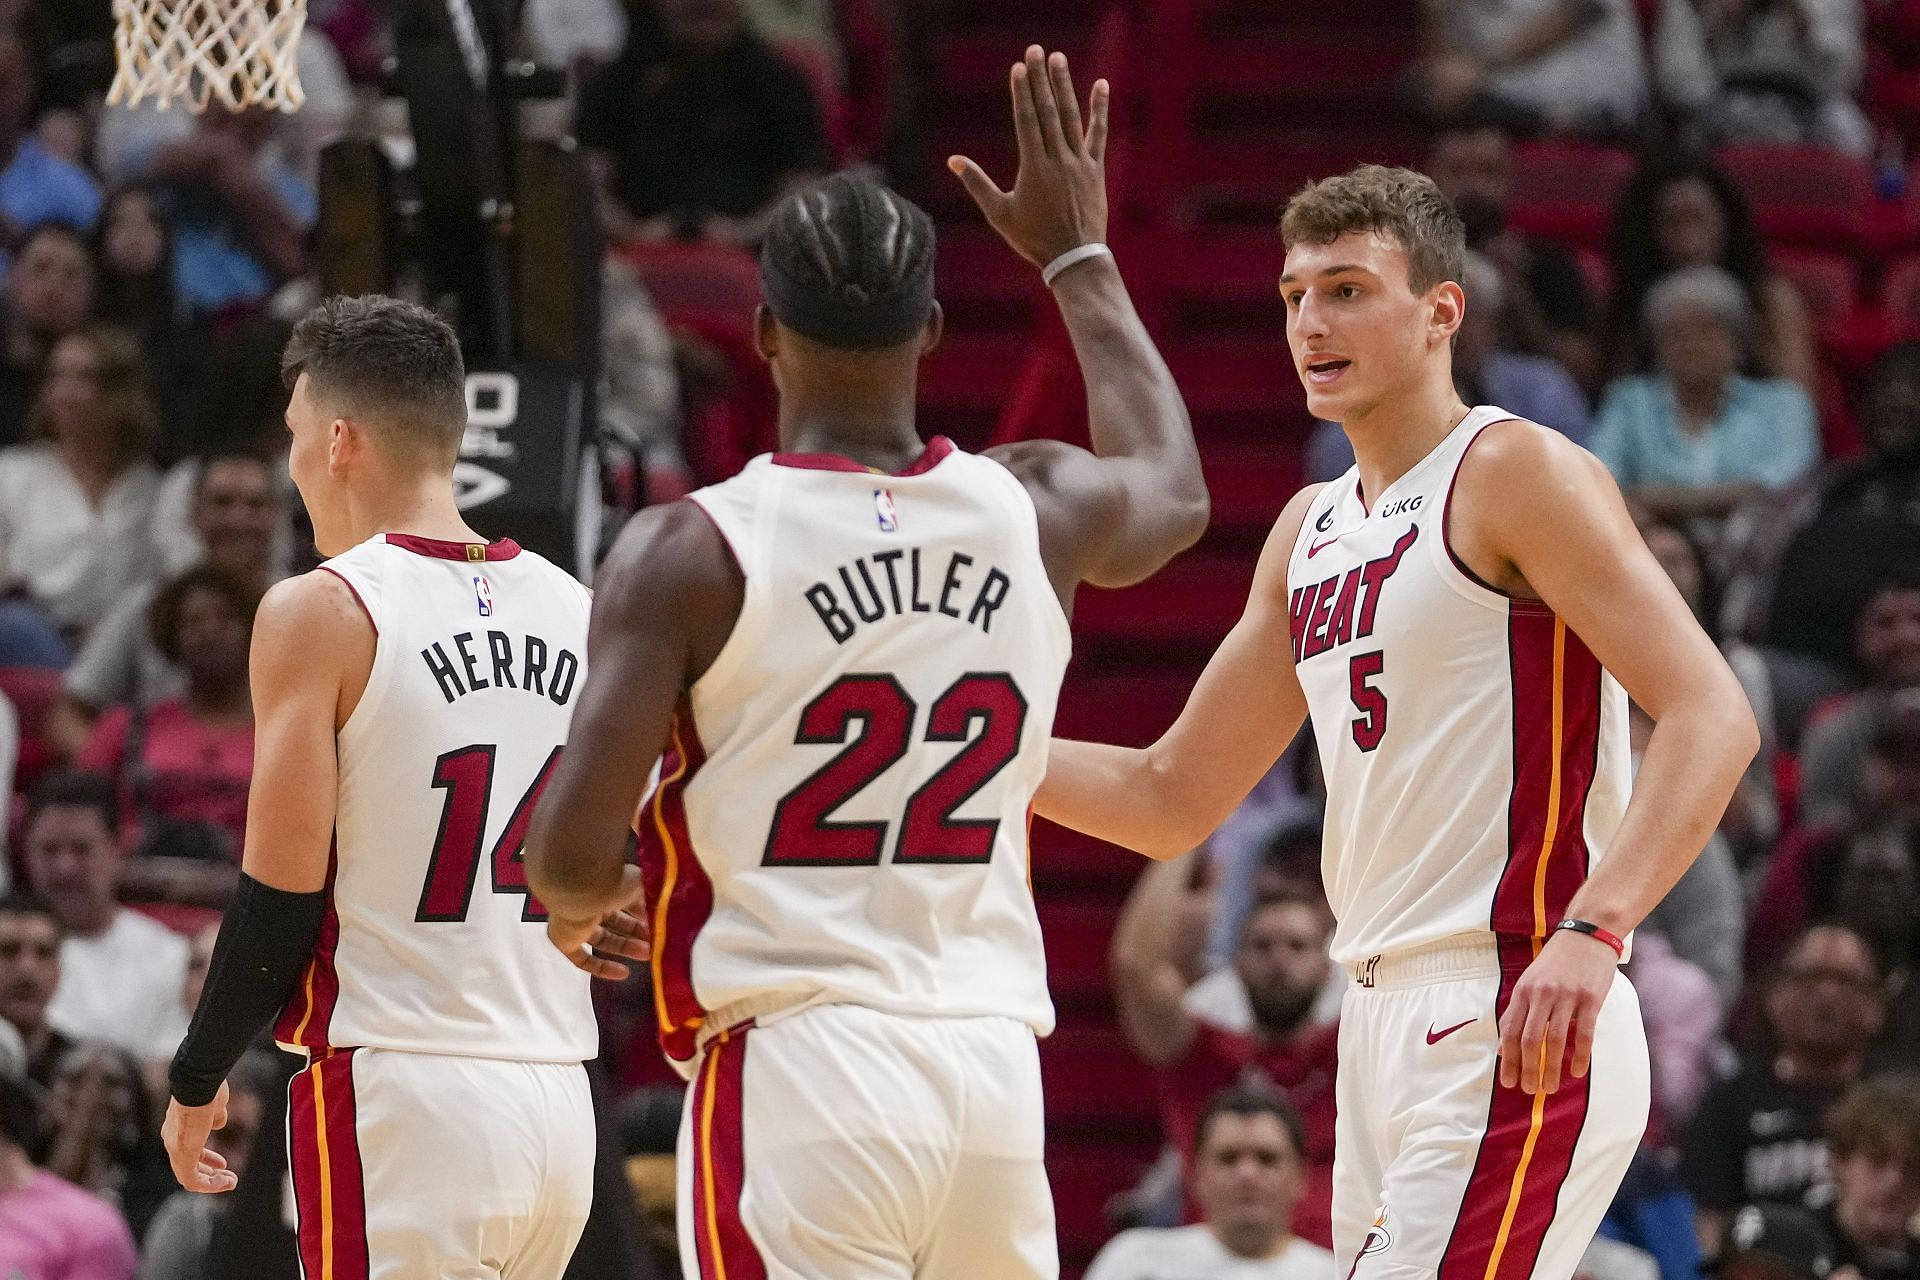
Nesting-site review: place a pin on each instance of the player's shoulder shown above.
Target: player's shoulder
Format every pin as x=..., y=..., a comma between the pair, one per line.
x=1520, y=452
x=668, y=549
x=318, y=614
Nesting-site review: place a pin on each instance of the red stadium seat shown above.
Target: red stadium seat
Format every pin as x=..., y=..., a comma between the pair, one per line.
x=1806, y=195
x=1828, y=282
x=33, y=692
x=1567, y=190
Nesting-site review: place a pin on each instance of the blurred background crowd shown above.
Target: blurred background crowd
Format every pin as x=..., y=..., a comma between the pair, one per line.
x=1696, y=250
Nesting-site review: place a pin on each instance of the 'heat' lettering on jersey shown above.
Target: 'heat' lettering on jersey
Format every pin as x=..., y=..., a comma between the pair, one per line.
x=892, y=583
x=1342, y=608
x=469, y=669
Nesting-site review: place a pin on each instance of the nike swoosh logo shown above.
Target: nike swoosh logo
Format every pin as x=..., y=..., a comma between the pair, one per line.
x=1435, y=1037
x=1316, y=548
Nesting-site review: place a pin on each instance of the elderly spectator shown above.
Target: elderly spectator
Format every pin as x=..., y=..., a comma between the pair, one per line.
x=1875, y=1142
x=1559, y=66
x=1760, y=1134
x=183, y=765
x=48, y=294
x=76, y=506
x=698, y=129
x=1248, y=1176
x=187, y=1238
x=1697, y=439
x=30, y=937
x=49, y=1228
x=1854, y=524
x=1683, y=211
x=1547, y=307
x=1282, y=965
x=1781, y=71
x=120, y=973
x=237, y=514
x=1834, y=749
x=1485, y=372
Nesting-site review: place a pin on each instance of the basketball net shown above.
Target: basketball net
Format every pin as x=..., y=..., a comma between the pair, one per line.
x=243, y=53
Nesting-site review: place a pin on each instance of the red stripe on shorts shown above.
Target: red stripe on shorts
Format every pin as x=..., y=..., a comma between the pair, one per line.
x=1525, y=1153
x=329, y=1188
x=724, y=1248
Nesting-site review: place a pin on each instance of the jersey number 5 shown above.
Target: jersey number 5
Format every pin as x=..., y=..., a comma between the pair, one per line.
x=804, y=833
x=1371, y=724
x=466, y=776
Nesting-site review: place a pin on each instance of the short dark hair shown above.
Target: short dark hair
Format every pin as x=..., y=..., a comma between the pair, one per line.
x=1398, y=202
x=1293, y=895
x=851, y=242
x=21, y=902
x=386, y=362
x=75, y=789
x=1878, y=1116
x=163, y=617
x=207, y=460
x=58, y=230
x=1252, y=1100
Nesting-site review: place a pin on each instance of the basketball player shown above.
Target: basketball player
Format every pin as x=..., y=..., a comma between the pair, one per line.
x=851, y=653
x=410, y=699
x=1458, y=614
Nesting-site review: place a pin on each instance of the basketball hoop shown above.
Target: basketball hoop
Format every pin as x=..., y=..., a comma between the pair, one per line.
x=244, y=53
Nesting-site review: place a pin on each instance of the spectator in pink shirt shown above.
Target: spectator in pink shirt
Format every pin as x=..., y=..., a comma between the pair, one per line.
x=49, y=1228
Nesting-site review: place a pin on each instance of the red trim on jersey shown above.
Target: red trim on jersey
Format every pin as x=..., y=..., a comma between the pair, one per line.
x=1554, y=675
x=937, y=448
x=1525, y=1153
x=679, y=893
x=356, y=598
x=323, y=1153
x=1446, y=513
x=308, y=1016
x=722, y=1244
x=500, y=549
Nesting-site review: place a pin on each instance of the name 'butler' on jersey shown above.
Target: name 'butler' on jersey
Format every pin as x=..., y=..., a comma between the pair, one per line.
x=843, y=807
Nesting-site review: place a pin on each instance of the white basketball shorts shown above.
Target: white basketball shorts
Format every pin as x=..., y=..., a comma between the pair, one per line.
x=838, y=1143
x=417, y=1164
x=1440, y=1173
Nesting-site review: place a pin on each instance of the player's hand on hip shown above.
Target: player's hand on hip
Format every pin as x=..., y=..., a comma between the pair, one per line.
x=598, y=944
x=1059, y=196
x=1550, y=1018
x=185, y=1132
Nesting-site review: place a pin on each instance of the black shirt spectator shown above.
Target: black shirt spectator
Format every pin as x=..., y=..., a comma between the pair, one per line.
x=1760, y=1135
x=700, y=125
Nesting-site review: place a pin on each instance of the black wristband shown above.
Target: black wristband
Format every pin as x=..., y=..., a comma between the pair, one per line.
x=1595, y=932
x=266, y=939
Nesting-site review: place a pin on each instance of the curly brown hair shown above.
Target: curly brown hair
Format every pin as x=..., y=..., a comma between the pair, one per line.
x=1398, y=202
x=1880, y=1116
x=126, y=409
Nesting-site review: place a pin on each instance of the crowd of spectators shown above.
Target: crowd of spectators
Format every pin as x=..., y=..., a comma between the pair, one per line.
x=149, y=261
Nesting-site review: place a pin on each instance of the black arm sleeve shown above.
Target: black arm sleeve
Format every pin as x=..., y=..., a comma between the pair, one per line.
x=265, y=941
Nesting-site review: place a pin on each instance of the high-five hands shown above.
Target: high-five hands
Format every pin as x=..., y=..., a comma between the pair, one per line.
x=1059, y=196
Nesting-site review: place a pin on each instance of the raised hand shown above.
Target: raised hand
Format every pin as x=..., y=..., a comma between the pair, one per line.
x=1059, y=196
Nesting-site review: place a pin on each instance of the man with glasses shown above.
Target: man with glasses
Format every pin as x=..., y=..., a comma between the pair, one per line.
x=1760, y=1135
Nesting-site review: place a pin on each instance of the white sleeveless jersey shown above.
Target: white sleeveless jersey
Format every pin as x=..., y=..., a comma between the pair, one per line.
x=1475, y=751
x=843, y=804
x=431, y=941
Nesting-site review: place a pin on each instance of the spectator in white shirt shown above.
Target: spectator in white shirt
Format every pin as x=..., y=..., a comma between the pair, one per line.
x=76, y=506
x=1247, y=1176
x=121, y=973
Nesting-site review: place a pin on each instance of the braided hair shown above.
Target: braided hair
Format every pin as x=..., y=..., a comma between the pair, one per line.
x=848, y=245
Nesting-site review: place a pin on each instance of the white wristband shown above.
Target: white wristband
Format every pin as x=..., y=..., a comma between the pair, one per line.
x=1052, y=270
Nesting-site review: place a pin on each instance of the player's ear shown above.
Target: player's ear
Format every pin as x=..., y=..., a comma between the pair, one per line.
x=1449, y=303
x=936, y=327
x=343, y=442
x=766, y=332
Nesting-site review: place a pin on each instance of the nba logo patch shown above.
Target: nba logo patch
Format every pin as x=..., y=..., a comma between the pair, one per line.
x=483, y=594
x=888, y=513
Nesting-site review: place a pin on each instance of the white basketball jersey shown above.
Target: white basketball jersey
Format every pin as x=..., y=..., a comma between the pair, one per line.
x=843, y=806
x=431, y=941
x=1475, y=751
